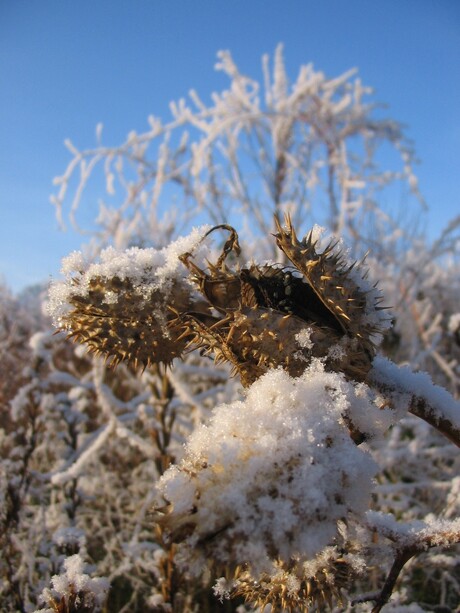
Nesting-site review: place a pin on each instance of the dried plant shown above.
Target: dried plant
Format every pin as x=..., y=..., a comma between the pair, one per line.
x=318, y=320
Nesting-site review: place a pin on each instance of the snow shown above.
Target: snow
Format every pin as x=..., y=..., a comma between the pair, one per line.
x=454, y=323
x=147, y=270
x=81, y=582
x=91, y=592
x=442, y=405
x=303, y=338
x=276, y=470
x=69, y=535
x=431, y=532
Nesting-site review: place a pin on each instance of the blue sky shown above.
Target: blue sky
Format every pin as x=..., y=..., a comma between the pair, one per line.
x=66, y=66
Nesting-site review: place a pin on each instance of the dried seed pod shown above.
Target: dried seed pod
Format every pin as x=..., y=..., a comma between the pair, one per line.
x=323, y=295
x=343, y=290
x=280, y=289
x=114, y=318
x=145, y=322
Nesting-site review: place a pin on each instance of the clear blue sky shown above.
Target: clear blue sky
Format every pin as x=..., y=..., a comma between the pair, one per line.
x=65, y=66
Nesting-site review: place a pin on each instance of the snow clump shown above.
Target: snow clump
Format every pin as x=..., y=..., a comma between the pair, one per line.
x=271, y=476
x=148, y=270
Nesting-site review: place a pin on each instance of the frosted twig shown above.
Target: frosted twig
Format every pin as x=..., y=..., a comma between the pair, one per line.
x=410, y=540
x=85, y=454
x=417, y=393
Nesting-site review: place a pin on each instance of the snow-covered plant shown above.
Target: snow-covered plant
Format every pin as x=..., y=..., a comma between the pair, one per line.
x=319, y=149
x=73, y=591
x=274, y=481
x=114, y=455
x=16, y=326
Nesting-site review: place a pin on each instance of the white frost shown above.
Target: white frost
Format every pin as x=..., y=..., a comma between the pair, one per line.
x=419, y=384
x=73, y=580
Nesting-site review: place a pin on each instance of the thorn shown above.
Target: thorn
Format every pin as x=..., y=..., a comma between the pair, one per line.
x=230, y=334
x=184, y=334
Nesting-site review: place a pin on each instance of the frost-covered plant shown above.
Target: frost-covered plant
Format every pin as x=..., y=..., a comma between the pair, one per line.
x=83, y=443
x=82, y=447
x=311, y=148
x=73, y=591
x=16, y=326
x=270, y=482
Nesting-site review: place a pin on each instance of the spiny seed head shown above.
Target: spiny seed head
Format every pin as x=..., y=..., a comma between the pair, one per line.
x=116, y=320
x=261, y=310
x=343, y=289
x=293, y=590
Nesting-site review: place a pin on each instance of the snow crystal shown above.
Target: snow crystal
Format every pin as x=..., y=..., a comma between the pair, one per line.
x=75, y=578
x=75, y=261
x=222, y=588
x=275, y=471
x=336, y=352
x=303, y=338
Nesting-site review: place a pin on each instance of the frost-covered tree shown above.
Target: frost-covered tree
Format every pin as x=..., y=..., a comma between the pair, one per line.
x=301, y=469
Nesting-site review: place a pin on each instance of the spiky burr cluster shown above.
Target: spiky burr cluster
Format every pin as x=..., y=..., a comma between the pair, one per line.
x=256, y=318
x=121, y=306
x=342, y=288
x=265, y=311
x=297, y=589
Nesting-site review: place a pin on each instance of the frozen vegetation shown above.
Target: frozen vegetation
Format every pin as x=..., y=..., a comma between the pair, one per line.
x=240, y=424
